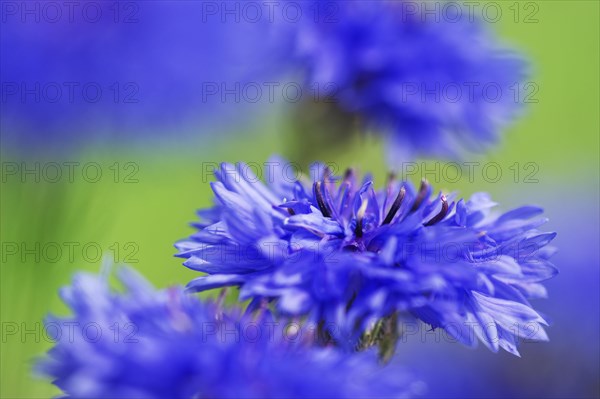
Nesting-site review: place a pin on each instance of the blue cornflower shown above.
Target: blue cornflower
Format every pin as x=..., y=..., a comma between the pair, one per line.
x=352, y=256
x=433, y=82
x=105, y=71
x=144, y=343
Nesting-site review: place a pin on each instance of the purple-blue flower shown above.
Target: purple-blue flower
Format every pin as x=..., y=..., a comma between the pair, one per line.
x=76, y=73
x=432, y=78
x=344, y=253
x=143, y=343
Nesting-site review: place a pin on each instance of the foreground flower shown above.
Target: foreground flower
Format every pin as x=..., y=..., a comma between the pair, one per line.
x=145, y=343
x=435, y=83
x=353, y=257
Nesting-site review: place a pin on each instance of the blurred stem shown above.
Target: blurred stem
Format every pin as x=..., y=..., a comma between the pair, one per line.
x=319, y=131
x=384, y=334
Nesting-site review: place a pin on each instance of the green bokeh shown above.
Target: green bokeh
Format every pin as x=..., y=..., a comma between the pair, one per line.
x=559, y=133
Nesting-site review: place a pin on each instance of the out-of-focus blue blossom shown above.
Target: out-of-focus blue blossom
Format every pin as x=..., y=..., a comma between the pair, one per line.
x=572, y=308
x=433, y=82
x=89, y=71
x=144, y=343
x=350, y=255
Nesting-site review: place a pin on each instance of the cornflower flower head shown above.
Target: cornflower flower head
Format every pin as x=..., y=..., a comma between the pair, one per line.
x=354, y=257
x=433, y=83
x=144, y=343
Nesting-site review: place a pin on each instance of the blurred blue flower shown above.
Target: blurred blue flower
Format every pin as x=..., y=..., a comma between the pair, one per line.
x=144, y=343
x=433, y=82
x=573, y=296
x=93, y=71
x=350, y=255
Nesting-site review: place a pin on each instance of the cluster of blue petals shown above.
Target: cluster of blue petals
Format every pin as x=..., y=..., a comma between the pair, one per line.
x=341, y=252
x=435, y=83
x=144, y=343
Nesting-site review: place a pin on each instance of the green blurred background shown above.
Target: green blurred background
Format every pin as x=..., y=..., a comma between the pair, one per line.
x=559, y=133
